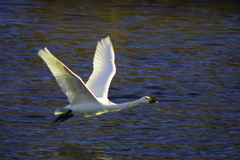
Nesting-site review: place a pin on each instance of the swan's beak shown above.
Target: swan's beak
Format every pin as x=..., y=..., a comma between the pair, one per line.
x=153, y=101
x=63, y=117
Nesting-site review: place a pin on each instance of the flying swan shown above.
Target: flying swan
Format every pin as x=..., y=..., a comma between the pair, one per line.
x=91, y=98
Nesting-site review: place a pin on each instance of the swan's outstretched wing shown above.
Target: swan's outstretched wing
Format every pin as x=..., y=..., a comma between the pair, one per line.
x=103, y=69
x=71, y=84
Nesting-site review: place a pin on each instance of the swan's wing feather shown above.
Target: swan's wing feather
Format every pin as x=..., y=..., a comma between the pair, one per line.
x=103, y=69
x=71, y=84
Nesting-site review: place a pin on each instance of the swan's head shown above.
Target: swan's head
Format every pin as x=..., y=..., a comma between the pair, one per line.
x=147, y=99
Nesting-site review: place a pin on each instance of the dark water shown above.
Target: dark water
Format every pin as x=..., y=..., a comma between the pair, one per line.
x=185, y=54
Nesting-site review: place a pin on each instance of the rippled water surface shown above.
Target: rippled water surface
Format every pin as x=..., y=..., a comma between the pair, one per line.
x=185, y=54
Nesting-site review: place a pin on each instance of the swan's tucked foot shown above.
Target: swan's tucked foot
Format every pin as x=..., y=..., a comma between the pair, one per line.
x=63, y=117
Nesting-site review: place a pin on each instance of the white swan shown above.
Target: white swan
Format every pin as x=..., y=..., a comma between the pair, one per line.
x=88, y=99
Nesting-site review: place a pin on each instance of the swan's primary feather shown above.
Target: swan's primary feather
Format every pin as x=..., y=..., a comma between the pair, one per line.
x=71, y=84
x=103, y=69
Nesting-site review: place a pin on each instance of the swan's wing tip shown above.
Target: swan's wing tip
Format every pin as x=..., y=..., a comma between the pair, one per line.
x=40, y=52
x=43, y=51
x=108, y=38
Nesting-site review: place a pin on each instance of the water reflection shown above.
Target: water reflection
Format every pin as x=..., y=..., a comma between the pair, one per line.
x=75, y=151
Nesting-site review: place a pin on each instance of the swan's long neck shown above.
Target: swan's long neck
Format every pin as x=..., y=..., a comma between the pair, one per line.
x=123, y=105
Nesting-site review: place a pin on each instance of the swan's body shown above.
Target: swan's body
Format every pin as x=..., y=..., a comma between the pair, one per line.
x=88, y=99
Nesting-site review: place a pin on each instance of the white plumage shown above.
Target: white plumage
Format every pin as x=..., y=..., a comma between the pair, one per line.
x=91, y=98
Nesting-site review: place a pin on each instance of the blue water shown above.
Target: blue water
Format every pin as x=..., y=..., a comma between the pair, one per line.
x=185, y=54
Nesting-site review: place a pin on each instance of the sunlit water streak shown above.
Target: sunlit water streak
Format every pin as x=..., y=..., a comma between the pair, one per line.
x=184, y=54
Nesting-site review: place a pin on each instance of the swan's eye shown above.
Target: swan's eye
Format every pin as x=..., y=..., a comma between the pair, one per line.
x=148, y=98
